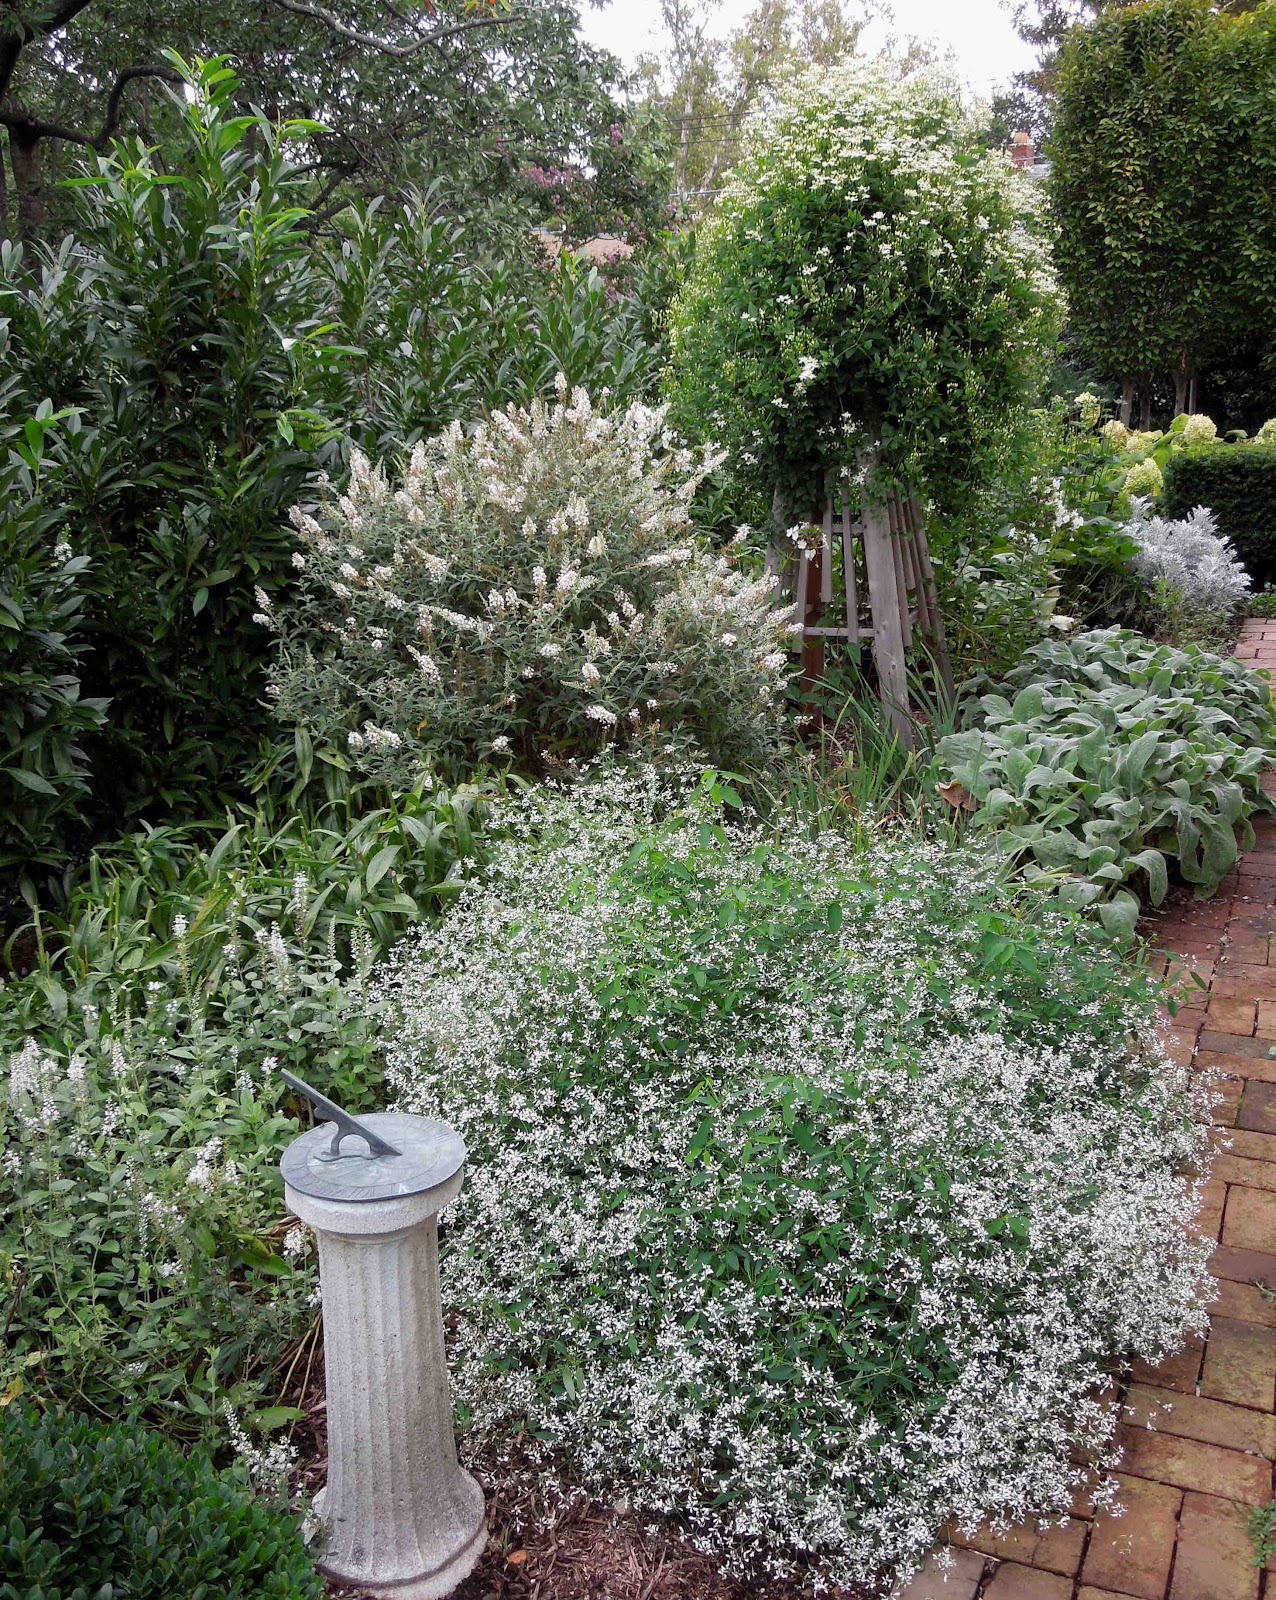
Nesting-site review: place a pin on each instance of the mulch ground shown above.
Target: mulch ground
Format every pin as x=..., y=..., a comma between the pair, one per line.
x=1199, y=1432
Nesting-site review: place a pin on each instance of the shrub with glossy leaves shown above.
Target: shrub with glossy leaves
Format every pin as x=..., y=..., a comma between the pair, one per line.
x=870, y=274
x=92, y=1511
x=45, y=720
x=531, y=592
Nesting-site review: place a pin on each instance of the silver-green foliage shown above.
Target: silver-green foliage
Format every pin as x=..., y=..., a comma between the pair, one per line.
x=529, y=592
x=1108, y=758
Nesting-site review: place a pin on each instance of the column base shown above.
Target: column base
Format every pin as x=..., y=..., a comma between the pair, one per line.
x=432, y=1585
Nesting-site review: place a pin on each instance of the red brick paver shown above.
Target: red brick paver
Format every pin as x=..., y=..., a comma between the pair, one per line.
x=1198, y=1433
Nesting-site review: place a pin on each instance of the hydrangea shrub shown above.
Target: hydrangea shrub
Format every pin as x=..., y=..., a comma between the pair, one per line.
x=532, y=591
x=871, y=274
x=814, y=1186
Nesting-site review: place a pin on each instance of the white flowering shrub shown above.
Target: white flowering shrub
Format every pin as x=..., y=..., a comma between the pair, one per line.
x=1189, y=570
x=814, y=1188
x=530, y=592
x=872, y=273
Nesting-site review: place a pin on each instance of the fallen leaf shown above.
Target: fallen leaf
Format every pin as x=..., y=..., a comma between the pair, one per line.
x=957, y=795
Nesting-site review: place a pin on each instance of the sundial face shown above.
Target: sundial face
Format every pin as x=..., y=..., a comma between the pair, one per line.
x=430, y=1154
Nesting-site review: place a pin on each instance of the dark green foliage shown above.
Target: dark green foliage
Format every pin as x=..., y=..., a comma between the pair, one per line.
x=90, y=1512
x=1237, y=386
x=439, y=336
x=184, y=324
x=211, y=356
x=43, y=716
x=1163, y=158
x=1238, y=484
x=463, y=94
x=188, y=965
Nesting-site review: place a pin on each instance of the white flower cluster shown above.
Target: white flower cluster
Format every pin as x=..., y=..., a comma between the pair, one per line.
x=523, y=593
x=861, y=196
x=1191, y=561
x=782, y=1211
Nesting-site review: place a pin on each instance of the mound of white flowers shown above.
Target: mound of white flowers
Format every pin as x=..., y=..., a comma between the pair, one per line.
x=532, y=591
x=815, y=1185
x=1188, y=565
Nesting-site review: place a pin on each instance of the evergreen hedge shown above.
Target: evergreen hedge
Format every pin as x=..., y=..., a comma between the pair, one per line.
x=1238, y=484
x=88, y=1511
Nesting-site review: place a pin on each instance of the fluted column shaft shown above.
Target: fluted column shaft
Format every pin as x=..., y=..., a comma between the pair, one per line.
x=400, y=1514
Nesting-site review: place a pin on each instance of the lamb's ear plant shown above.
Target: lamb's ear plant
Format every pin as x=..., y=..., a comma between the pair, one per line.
x=1108, y=761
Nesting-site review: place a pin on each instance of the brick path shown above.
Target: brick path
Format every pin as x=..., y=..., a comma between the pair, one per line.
x=1188, y=1485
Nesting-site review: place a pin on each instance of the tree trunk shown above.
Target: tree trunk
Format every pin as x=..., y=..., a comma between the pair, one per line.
x=1191, y=395
x=1127, y=401
x=24, y=157
x=1145, y=410
x=1182, y=378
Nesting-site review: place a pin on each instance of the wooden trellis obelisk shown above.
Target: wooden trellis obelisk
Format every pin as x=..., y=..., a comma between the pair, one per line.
x=887, y=542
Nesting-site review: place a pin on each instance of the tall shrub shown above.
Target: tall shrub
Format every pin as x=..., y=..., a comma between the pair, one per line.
x=44, y=718
x=186, y=325
x=209, y=344
x=871, y=275
x=526, y=595
x=1162, y=164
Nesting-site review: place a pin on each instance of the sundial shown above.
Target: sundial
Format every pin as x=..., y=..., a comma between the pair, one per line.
x=380, y=1156
x=402, y=1519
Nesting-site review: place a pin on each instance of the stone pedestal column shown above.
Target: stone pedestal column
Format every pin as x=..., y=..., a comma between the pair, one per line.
x=401, y=1517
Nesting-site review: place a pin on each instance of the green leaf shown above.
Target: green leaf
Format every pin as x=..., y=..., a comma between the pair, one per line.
x=380, y=865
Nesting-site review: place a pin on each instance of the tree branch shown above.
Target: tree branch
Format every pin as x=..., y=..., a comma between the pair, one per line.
x=19, y=33
x=388, y=47
x=115, y=101
x=28, y=130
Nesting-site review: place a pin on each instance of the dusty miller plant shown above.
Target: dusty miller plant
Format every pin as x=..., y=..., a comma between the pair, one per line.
x=530, y=592
x=1192, y=574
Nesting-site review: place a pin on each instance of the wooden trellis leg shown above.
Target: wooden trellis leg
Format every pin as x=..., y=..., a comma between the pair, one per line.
x=889, y=608
x=930, y=589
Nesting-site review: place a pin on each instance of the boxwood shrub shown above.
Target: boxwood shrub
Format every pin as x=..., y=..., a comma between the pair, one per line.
x=1238, y=484
x=92, y=1511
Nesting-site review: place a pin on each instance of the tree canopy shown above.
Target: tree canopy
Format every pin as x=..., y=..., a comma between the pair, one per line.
x=467, y=90
x=1163, y=154
x=704, y=87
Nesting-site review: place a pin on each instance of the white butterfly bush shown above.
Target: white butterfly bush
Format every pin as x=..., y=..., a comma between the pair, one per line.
x=531, y=590
x=785, y=1213
x=1191, y=561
